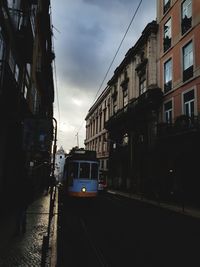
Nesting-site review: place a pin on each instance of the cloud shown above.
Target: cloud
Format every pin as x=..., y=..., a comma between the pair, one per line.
x=89, y=34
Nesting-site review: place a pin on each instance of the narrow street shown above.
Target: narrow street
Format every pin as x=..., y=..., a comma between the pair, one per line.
x=117, y=231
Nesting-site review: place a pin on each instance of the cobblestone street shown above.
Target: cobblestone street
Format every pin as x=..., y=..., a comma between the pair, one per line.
x=25, y=249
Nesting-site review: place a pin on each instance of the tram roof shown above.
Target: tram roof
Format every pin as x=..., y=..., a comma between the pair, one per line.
x=82, y=154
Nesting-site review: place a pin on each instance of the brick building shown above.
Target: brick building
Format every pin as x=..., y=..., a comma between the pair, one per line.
x=179, y=78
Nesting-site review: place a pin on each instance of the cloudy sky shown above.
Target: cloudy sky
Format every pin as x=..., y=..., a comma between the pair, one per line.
x=87, y=34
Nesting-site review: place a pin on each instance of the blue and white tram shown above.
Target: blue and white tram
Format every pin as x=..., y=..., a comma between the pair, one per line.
x=81, y=173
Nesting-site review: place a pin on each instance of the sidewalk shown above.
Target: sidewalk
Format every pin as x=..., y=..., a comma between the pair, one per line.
x=186, y=210
x=24, y=250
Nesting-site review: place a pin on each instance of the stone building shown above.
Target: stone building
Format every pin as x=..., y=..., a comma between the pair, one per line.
x=135, y=103
x=96, y=135
x=179, y=77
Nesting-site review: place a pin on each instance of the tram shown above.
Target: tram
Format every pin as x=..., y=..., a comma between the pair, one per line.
x=81, y=173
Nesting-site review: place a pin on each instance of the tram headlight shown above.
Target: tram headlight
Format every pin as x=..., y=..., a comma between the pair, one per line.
x=83, y=189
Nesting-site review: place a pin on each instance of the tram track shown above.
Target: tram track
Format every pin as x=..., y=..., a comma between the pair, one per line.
x=96, y=250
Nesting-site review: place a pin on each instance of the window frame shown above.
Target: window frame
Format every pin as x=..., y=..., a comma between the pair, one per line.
x=167, y=35
x=142, y=84
x=187, y=72
x=169, y=82
x=168, y=112
x=166, y=6
x=186, y=21
x=189, y=103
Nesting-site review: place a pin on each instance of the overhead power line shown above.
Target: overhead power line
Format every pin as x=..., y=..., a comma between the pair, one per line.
x=115, y=55
x=55, y=73
x=135, y=13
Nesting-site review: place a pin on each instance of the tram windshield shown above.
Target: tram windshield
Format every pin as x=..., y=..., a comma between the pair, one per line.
x=94, y=171
x=84, y=170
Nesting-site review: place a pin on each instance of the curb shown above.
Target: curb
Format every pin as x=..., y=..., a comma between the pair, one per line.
x=53, y=255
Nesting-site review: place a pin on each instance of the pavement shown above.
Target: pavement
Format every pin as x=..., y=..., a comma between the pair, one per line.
x=25, y=250
x=183, y=209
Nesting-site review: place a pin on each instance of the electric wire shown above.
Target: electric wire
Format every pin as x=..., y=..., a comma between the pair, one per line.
x=115, y=55
x=55, y=73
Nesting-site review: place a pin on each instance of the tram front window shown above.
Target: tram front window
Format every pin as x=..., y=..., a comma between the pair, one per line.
x=73, y=172
x=94, y=171
x=84, y=171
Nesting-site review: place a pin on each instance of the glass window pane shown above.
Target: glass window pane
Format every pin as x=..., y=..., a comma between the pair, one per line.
x=187, y=9
x=168, y=71
x=84, y=172
x=94, y=171
x=187, y=56
x=192, y=108
x=167, y=28
x=168, y=105
x=73, y=170
x=188, y=96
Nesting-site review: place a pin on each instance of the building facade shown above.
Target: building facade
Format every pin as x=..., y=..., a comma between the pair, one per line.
x=153, y=127
x=26, y=94
x=135, y=103
x=179, y=78
x=97, y=138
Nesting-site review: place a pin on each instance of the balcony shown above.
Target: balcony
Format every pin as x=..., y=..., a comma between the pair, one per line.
x=124, y=118
x=150, y=100
x=182, y=125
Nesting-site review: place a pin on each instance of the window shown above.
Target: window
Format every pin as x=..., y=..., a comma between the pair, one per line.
x=84, y=171
x=94, y=171
x=96, y=125
x=168, y=112
x=125, y=139
x=100, y=121
x=167, y=35
x=125, y=97
x=13, y=4
x=187, y=61
x=99, y=149
x=114, y=106
x=25, y=92
x=2, y=45
x=102, y=164
x=188, y=103
x=11, y=62
x=16, y=72
x=166, y=5
x=186, y=10
x=168, y=75
x=73, y=172
x=142, y=84
x=13, y=66
x=104, y=117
